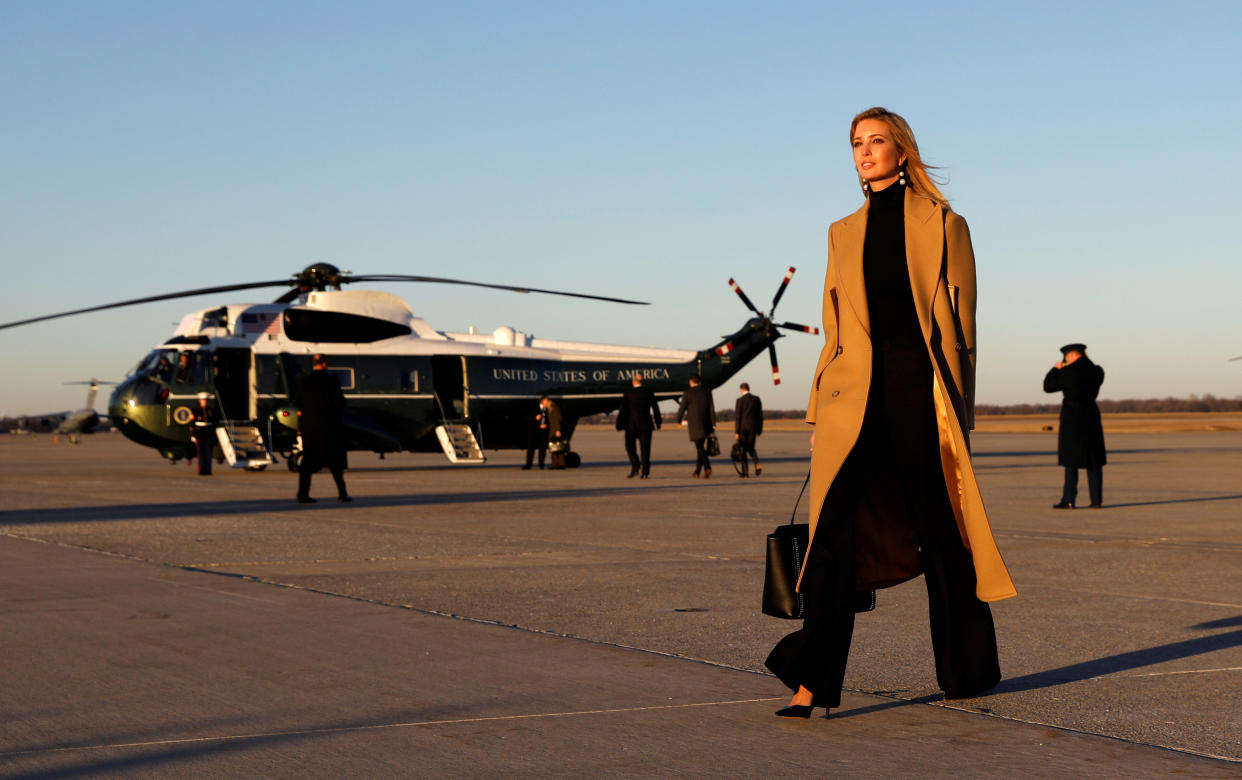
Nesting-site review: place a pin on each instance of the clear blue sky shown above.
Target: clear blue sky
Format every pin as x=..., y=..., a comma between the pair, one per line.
x=644, y=149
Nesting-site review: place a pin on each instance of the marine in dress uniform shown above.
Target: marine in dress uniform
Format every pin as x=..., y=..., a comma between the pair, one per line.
x=204, y=434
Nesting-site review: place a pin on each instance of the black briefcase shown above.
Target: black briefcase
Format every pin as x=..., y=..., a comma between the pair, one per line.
x=785, y=555
x=712, y=445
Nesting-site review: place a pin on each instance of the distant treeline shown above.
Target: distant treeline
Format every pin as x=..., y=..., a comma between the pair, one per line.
x=1195, y=403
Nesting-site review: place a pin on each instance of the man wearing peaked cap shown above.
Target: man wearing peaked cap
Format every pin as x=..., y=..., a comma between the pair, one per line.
x=1080, y=440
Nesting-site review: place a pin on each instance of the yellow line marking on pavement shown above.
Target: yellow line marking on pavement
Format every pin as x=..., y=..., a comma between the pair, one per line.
x=378, y=726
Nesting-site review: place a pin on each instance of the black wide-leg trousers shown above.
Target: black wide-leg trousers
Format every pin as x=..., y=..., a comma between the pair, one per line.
x=897, y=454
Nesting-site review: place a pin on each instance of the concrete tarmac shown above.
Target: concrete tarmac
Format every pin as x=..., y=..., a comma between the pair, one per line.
x=488, y=621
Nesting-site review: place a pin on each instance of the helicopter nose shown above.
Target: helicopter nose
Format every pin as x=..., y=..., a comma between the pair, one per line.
x=132, y=395
x=121, y=401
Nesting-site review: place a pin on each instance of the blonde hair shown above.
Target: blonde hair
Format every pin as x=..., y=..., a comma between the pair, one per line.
x=917, y=171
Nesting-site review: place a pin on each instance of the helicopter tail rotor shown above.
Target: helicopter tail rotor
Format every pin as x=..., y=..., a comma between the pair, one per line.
x=776, y=370
x=767, y=323
x=737, y=289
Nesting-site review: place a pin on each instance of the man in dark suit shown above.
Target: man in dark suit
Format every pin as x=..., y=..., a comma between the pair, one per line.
x=699, y=415
x=747, y=425
x=536, y=437
x=558, y=444
x=638, y=417
x=1080, y=440
x=321, y=408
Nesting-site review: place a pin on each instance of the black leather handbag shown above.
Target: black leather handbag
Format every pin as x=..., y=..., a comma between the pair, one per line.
x=786, y=553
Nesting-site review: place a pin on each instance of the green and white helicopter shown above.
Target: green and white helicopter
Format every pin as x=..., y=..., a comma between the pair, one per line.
x=408, y=386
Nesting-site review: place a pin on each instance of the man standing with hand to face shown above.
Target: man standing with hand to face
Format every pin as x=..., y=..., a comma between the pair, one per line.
x=1080, y=440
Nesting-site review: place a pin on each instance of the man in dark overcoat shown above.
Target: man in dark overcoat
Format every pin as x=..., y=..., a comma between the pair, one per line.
x=558, y=444
x=1080, y=441
x=638, y=417
x=536, y=437
x=698, y=414
x=747, y=425
x=321, y=408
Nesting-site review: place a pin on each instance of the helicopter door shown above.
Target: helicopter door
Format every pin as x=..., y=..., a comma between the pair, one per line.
x=448, y=376
x=234, y=376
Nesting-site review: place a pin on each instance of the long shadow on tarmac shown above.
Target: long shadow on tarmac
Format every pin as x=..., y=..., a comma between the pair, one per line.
x=1135, y=659
x=199, y=508
x=1175, y=501
x=163, y=751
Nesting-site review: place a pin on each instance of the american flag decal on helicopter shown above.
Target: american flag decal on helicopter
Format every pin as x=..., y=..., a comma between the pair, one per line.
x=260, y=322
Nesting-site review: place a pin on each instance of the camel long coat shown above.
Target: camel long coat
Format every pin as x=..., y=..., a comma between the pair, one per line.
x=942, y=278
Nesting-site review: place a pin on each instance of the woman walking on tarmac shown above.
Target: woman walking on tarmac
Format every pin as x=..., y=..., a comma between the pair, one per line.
x=893, y=492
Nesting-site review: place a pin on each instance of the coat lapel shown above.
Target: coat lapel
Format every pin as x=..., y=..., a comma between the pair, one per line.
x=924, y=242
x=849, y=257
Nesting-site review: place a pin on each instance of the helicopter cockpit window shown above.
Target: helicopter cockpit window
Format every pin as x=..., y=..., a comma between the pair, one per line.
x=338, y=327
x=160, y=364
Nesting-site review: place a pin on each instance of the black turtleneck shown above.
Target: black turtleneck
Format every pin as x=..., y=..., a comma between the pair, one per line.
x=890, y=302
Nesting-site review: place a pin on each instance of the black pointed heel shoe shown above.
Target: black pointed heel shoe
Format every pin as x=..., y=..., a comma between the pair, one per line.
x=796, y=711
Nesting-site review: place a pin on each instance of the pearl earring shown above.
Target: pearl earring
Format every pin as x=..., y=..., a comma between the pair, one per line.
x=901, y=176
x=866, y=187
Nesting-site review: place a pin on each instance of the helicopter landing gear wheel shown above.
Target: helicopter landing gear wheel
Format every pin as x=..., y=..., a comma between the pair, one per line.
x=293, y=460
x=572, y=460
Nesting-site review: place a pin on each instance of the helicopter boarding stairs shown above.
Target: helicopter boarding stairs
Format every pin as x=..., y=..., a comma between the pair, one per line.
x=459, y=442
x=243, y=446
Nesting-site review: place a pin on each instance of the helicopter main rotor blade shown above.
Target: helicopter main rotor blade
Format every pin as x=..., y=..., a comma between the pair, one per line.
x=737, y=289
x=795, y=326
x=781, y=290
x=441, y=280
x=776, y=371
x=152, y=299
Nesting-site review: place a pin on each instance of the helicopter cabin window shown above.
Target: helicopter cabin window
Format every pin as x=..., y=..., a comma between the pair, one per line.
x=200, y=368
x=343, y=375
x=215, y=318
x=339, y=327
x=182, y=375
x=267, y=375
